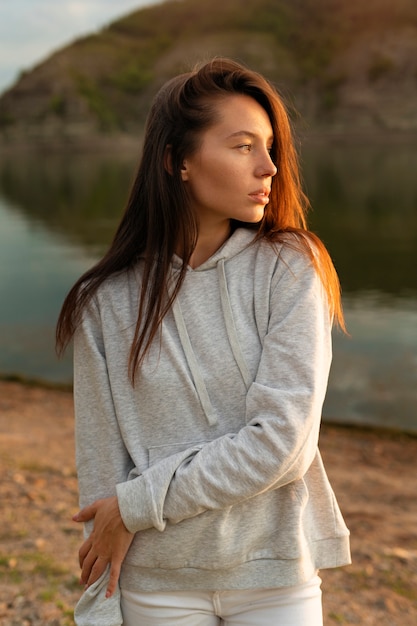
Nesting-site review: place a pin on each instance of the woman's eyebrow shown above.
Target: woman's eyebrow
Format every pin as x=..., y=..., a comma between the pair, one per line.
x=247, y=133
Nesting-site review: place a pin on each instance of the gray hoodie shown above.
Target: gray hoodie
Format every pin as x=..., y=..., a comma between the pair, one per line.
x=213, y=454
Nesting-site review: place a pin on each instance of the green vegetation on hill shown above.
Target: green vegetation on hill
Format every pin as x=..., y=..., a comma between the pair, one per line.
x=342, y=62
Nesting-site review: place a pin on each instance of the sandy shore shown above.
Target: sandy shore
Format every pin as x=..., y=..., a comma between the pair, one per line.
x=373, y=474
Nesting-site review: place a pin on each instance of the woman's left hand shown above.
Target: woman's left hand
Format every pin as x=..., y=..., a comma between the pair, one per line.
x=108, y=542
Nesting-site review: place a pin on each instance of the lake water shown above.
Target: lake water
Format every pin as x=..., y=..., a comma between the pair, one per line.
x=57, y=213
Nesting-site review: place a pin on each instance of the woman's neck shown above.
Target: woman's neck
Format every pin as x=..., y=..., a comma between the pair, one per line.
x=208, y=242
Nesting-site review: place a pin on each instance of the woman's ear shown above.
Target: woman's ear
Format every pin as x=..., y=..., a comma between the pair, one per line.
x=168, y=164
x=168, y=159
x=184, y=171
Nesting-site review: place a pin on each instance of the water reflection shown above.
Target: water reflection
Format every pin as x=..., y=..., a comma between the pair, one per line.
x=80, y=196
x=374, y=373
x=365, y=209
x=57, y=215
x=36, y=268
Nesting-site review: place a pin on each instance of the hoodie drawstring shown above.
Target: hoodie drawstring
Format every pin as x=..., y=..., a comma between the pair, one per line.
x=193, y=364
x=199, y=383
x=230, y=325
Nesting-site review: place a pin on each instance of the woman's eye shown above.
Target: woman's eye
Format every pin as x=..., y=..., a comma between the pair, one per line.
x=246, y=147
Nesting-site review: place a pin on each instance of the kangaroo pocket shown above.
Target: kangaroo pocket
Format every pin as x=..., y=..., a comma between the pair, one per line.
x=267, y=526
x=279, y=524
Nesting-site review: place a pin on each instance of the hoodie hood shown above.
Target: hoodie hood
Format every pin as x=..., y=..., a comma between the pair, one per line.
x=238, y=241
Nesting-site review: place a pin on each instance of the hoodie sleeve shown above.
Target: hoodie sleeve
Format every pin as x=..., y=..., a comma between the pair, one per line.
x=283, y=414
x=99, y=466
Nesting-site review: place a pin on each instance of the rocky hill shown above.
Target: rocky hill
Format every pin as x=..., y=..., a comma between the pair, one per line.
x=344, y=67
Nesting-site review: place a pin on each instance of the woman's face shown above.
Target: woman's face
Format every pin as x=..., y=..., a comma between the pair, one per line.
x=230, y=174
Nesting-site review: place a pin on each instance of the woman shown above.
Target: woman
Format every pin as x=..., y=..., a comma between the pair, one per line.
x=202, y=352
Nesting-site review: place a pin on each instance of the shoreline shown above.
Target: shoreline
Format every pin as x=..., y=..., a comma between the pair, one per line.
x=28, y=381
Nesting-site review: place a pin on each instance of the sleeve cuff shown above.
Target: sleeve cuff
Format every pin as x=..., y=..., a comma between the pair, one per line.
x=135, y=505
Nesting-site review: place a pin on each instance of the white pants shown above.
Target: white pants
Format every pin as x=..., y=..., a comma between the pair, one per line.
x=287, y=606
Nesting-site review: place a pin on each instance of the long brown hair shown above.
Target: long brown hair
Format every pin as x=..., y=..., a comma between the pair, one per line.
x=158, y=218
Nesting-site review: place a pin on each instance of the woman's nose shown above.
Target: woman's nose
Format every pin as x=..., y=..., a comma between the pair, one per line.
x=267, y=167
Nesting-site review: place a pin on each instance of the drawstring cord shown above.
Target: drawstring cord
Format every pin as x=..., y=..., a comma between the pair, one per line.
x=199, y=383
x=230, y=325
x=193, y=364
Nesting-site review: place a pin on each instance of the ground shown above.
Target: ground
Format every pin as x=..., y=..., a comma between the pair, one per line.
x=373, y=474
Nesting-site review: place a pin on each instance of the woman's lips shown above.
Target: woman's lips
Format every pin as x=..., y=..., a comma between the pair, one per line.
x=260, y=196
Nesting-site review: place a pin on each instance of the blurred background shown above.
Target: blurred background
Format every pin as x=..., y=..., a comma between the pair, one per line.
x=76, y=80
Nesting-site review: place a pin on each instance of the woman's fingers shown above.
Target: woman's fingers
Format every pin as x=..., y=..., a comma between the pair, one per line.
x=108, y=542
x=88, y=564
x=113, y=578
x=120, y=549
x=97, y=570
x=87, y=513
x=84, y=550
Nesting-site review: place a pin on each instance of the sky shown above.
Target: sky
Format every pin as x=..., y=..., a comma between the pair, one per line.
x=30, y=30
